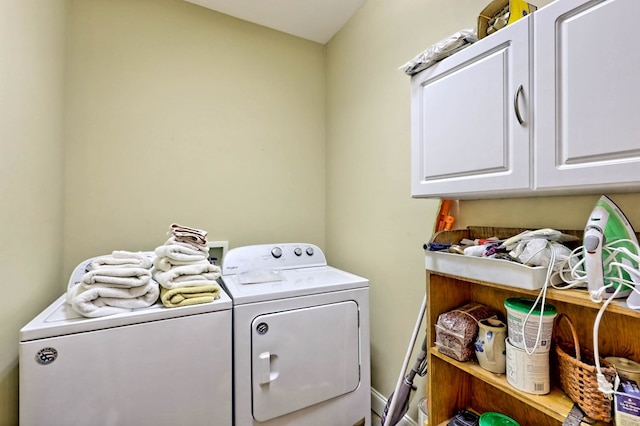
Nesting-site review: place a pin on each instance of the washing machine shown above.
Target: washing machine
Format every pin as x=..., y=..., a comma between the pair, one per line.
x=301, y=338
x=152, y=366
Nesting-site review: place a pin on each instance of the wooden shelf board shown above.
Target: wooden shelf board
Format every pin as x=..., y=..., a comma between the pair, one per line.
x=555, y=404
x=578, y=297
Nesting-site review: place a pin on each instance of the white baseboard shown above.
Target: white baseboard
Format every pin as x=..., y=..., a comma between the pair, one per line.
x=378, y=402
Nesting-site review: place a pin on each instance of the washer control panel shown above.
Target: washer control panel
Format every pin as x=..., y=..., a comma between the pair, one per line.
x=272, y=256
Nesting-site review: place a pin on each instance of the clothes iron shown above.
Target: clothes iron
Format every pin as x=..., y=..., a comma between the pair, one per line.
x=610, y=251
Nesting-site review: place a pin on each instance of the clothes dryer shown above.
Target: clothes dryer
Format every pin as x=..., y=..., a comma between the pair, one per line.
x=301, y=338
x=152, y=366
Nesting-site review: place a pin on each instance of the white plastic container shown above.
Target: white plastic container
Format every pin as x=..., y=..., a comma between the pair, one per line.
x=497, y=271
x=422, y=412
x=528, y=373
x=520, y=331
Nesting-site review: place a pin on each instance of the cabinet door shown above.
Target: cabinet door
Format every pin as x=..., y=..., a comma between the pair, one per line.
x=467, y=141
x=587, y=131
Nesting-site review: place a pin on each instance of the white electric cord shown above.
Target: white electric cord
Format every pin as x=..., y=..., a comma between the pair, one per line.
x=573, y=274
x=543, y=294
x=613, y=271
x=603, y=384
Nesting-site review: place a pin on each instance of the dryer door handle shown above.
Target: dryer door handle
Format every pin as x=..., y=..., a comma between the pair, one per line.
x=264, y=360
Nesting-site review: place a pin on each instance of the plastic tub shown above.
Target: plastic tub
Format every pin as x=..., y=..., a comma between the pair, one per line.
x=422, y=412
x=496, y=419
x=518, y=331
x=528, y=373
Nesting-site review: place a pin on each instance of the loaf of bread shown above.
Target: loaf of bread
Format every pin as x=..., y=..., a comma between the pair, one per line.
x=456, y=330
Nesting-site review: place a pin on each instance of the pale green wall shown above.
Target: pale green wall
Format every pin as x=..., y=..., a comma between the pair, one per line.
x=374, y=228
x=32, y=59
x=181, y=114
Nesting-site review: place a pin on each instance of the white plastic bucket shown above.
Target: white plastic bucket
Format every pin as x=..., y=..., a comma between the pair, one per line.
x=422, y=412
x=528, y=373
x=517, y=310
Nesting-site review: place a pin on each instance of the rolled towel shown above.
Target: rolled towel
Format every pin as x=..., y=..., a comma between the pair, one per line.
x=112, y=276
x=187, y=275
x=98, y=301
x=186, y=296
x=122, y=258
x=188, y=234
x=181, y=253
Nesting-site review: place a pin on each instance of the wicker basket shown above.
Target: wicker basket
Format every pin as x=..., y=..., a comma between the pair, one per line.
x=577, y=371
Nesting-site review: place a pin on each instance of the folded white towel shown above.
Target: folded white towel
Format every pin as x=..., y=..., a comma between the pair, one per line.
x=113, y=276
x=166, y=263
x=181, y=252
x=184, y=281
x=98, y=301
x=175, y=240
x=187, y=275
x=123, y=259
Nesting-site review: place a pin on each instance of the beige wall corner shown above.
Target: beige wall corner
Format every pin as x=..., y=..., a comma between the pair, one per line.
x=32, y=63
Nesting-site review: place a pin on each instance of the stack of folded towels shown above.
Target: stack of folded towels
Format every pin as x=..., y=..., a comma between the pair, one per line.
x=113, y=284
x=183, y=270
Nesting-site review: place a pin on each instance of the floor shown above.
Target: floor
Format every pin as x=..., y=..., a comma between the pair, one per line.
x=375, y=419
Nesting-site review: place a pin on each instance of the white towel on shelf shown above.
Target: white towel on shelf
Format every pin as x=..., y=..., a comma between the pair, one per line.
x=99, y=301
x=114, y=276
x=181, y=252
x=121, y=258
x=200, y=273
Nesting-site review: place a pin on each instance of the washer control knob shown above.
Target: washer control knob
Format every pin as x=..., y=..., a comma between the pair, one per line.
x=276, y=252
x=310, y=251
x=297, y=251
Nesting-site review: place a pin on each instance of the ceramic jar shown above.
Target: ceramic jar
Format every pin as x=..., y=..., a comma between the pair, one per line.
x=490, y=345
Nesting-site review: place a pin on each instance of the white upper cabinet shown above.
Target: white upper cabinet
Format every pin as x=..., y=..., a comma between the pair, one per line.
x=470, y=119
x=587, y=89
x=572, y=72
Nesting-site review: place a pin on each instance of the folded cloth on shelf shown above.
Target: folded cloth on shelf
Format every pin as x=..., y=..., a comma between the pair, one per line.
x=187, y=275
x=186, y=296
x=116, y=276
x=121, y=258
x=98, y=301
x=188, y=234
x=181, y=252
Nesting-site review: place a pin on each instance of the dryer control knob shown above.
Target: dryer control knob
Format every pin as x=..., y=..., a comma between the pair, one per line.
x=276, y=252
x=310, y=251
x=297, y=251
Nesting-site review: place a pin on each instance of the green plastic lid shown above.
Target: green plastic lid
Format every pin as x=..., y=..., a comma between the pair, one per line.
x=524, y=305
x=496, y=419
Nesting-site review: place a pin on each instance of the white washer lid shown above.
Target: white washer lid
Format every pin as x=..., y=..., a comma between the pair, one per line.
x=291, y=283
x=60, y=319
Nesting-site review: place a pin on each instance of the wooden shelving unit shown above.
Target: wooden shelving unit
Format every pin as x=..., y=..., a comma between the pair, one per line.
x=453, y=385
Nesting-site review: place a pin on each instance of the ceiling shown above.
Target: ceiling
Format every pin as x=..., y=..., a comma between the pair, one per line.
x=315, y=20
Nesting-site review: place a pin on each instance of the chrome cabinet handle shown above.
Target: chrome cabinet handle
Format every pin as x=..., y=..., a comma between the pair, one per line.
x=515, y=104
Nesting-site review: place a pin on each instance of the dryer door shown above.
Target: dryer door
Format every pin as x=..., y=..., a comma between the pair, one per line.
x=303, y=357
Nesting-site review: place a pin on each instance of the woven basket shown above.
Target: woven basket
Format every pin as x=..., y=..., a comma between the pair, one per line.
x=577, y=372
